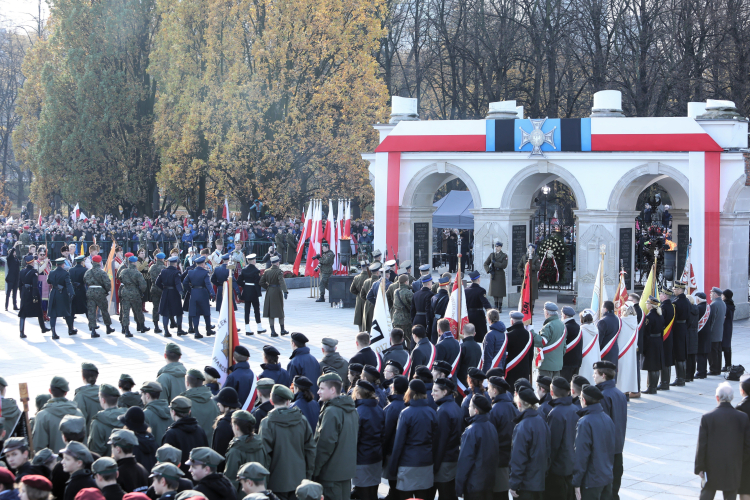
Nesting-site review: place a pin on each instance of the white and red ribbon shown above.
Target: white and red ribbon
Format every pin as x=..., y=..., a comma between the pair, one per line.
x=499, y=355
x=611, y=343
x=704, y=318
x=454, y=366
x=548, y=348
x=514, y=362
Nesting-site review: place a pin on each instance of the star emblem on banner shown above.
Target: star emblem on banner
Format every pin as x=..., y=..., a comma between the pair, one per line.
x=537, y=138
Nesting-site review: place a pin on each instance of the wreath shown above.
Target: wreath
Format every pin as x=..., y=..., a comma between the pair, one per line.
x=552, y=269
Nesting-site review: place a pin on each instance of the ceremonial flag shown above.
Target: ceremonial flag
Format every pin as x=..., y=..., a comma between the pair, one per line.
x=621, y=296
x=225, y=212
x=111, y=306
x=381, y=322
x=348, y=218
x=302, y=237
x=456, y=312
x=651, y=288
x=316, y=236
x=82, y=216
x=524, y=302
x=688, y=276
x=39, y=221
x=76, y=213
x=226, y=337
x=328, y=231
x=600, y=292
x=337, y=234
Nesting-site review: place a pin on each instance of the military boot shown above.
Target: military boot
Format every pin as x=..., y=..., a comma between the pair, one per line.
x=110, y=329
x=94, y=335
x=273, y=331
x=666, y=375
x=127, y=333
x=21, y=326
x=249, y=330
x=156, y=327
x=322, y=298
x=53, y=327
x=190, y=326
x=143, y=328
x=653, y=379
x=197, y=335
x=260, y=328
x=680, y=368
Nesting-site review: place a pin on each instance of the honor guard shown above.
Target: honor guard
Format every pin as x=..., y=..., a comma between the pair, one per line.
x=221, y=274
x=325, y=264
x=31, y=302
x=77, y=273
x=276, y=293
x=421, y=311
x=171, y=295
x=60, y=297
x=424, y=270
x=495, y=265
x=369, y=307
x=476, y=304
x=249, y=280
x=439, y=304
x=355, y=288
x=154, y=271
x=132, y=288
x=199, y=284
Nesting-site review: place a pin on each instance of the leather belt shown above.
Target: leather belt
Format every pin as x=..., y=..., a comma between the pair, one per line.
x=422, y=313
x=476, y=309
x=168, y=288
x=198, y=287
x=679, y=321
x=655, y=335
x=273, y=286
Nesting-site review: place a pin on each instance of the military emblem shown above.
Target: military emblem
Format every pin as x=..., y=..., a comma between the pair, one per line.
x=537, y=138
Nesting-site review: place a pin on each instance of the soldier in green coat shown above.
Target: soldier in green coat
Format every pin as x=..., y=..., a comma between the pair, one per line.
x=105, y=421
x=495, y=265
x=98, y=286
x=335, y=439
x=280, y=240
x=368, y=308
x=155, y=409
x=245, y=447
x=402, y=304
x=131, y=292
x=552, y=339
x=325, y=264
x=172, y=375
x=291, y=246
x=153, y=272
x=25, y=238
x=289, y=444
x=47, y=426
x=276, y=292
x=356, y=289
x=87, y=396
x=11, y=413
x=204, y=408
x=334, y=360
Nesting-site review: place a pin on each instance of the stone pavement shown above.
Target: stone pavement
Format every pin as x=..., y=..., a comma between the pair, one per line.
x=662, y=429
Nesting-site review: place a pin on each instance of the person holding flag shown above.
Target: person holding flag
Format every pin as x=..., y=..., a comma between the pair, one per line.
x=653, y=344
x=667, y=312
x=476, y=303
x=680, y=333
x=242, y=379
x=550, y=342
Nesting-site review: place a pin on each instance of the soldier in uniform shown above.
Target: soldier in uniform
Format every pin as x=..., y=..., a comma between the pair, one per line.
x=424, y=270
x=406, y=267
x=679, y=333
x=368, y=307
x=97, y=288
x=334, y=360
x=439, y=304
x=403, y=298
x=280, y=241
x=249, y=280
x=132, y=288
x=153, y=272
x=534, y=263
x=356, y=289
x=495, y=265
x=668, y=313
x=60, y=297
x=77, y=273
x=171, y=287
x=325, y=263
x=421, y=310
x=372, y=294
x=291, y=246
x=276, y=292
x=31, y=302
x=653, y=344
x=203, y=407
x=476, y=304
x=221, y=274
x=199, y=283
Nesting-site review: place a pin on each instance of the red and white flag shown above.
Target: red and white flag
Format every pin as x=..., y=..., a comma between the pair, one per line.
x=39, y=221
x=76, y=213
x=316, y=236
x=348, y=219
x=621, y=295
x=306, y=228
x=225, y=212
x=456, y=313
x=328, y=232
x=688, y=276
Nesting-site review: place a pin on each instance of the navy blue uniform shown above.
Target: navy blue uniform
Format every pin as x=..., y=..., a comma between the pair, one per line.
x=276, y=373
x=438, y=303
x=594, y=449
x=310, y=409
x=241, y=380
x=391, y=412
x=221, y=274
x=503, y=416
x=200, y=289
x=366, y=356
x=415, y=435
x=608, y=327
x=249, y=280
x=450, y=426
x=423, y=355
x=478, y=460
x=79, y=289
x=562, y=420
x=449, y=350
x=494, y=355
x=301, y=362
x=615, y=404
x=529, y=457
x=171, y=297
x=60, y=297
x=370, y=435
x=476, y=304
x=421, y=311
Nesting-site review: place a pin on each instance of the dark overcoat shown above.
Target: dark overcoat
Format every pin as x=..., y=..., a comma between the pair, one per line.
x=29, y=292
x=723, y=443
x=79, y=288
x=199, y=285
x=171, y=297
x=60, y=293
x=653, y=345
x=495, y=265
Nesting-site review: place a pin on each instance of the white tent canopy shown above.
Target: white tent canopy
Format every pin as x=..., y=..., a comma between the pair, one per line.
x=453, y=211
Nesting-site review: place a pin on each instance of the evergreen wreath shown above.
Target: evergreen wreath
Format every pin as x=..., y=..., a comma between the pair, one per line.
x=548, y=275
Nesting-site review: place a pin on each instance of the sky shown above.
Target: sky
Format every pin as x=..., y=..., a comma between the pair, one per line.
x=21, y=12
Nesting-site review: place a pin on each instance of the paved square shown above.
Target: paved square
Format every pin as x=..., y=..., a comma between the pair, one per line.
x=662, y=429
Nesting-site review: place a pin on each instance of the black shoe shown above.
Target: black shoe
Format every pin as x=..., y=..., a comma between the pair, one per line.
x=45, y=330
x=662, y=387
x=167, y=334
x=678, y=383
x=714, y=374
x=210, y=331
x=197, y=336
x=23, y=335
x=190, y=330
x=699, y=376
x=110, y=329
x=157, y=329
x=284, y=332
x=15, y=308
x=180, y=333
x=144, y=329
x=321, y=299
x=124, y=331
x=72, y=332
x=96, y=327
x=649, y=391
x=274, y=334
x=128, y=334
x=172, y=324
x=95, y=335
x=55, y=337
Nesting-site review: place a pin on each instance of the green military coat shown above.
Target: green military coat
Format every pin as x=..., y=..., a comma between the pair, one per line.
x=288, y=442
x=273, y=305
x=552, y=330
x=204, y=409
x=47, y=425
x=172, y=379
x=101, y=428
x=87, y=399
x=495, y=265
x=335, y=438
x=242, y=450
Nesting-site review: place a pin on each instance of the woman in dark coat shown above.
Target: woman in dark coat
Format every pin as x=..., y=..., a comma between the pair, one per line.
x=369, y=441
x=450, y=427
x=692, y=340
x=12, y=273
x=653, y=344
x=726, y=341
x=304, y=400
x=392, y=412
x=31, y=299
x=475, y=381
x=228, y=402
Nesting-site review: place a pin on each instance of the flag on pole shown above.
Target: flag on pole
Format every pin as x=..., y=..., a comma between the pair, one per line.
x=39, y=221
x=316, y=234
x=337, y=234
x=621, y=296
x=226, y=338
x=328, y=231
x=456, y=312
x=600, y=292
x=305, y=234
x=524, y=302
x=651, y=288
x=688, y=276
x=111, y=306
x=348, y=218
x=225, y=212
x=381, y=323
x=76, y=213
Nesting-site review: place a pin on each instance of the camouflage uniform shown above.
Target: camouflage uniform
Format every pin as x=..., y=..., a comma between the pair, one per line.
x=25, y=242
x=154, y=271
x=325, y=261
x=98, y=286
x=402, y=304
x=133, y=288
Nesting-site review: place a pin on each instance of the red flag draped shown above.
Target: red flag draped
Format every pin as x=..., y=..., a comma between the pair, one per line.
x=525, y=305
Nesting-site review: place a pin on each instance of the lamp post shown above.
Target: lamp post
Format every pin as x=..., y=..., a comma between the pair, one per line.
x=545, y=190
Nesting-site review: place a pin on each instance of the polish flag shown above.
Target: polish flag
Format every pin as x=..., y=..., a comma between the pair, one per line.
x=328, y=233
x=225, y=212
x=621, y=295
x=456, y=312
x=306, y=229
x=76, y=213
x=348, y=217
x=316, y=235
x=39, y=221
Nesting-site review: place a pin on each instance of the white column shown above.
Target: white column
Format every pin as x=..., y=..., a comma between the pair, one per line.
x=697, y=204
x=594, y=229
x=735, y=235
x=379, y=180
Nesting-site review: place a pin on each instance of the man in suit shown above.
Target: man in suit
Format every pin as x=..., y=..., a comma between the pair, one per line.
x=723, y=443
x=719, y=311
x=477, y=304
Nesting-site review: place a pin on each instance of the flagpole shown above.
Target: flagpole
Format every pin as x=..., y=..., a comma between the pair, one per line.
x=460, y=284
x=601, y=280
x=230, y=317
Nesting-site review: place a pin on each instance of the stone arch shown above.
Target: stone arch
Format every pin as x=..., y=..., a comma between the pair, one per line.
x=627, y=189
x=524, y=184
x=738, y=197
x=422, y=187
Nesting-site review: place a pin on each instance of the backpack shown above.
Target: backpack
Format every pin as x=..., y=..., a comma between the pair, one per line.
x=735, y=372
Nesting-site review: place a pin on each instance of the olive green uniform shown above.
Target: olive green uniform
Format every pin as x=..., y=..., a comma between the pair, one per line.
x=273, y=281
x=402, y=304
x=131, y=293
x=87, y=399
x=495, y=265
x=368, y=308
x=242, y=450
x=291, y=248
x=98, y=287
x=326, y=270
x=356, y=288
x=101, y=428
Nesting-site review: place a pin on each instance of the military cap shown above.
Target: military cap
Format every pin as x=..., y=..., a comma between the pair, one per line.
x=328, y=369
x=417, y=386
x=28, y=258
x=78, y=451
x=442, y=367
x=446, y=384
x=424, y=267
x=151, y=387
x=476, y=373
x=522, y=382
x=427, y=278
x=211, y=371
x=474, y=275
x=242, y=350
x=377, y=253
x=371, y=370
x=568, y=311
x=593, y=392
x=275, y=259
x=6, y=476
x=655, y=302
x=160, y=256
x=561, y=383
x=168, y=470
x=123, y=437
x=173, y=348
x=375, y=266
x=245, y=416
x=330, y=342
x=252, y=471
x=395, y=364
x=717, y=290
x=251, y=256
x=299, y=337
x=405, y=265
x=302, y=382
x=356, y=367
x=531, y=245
x=3, y=383
x=364, y=384
x=444, y=281
x=38, y=482
x=309, y=490
x=79, y=258
x=128, y=255
x=204, y=455
x=72, y=424
x=580, y=381
x=423, y=372
x=498, y=243
x=14, y=443
x=330, y=377
x=168, y=453
x=527, y=395
x=481, y=402
x=228, y=398
x=86, y=365
x=500, y=383
x=272, y=351
x=264, y=383
x=96, y=258
x=181, y=403
x=517, y=315
x=604, y=364
x=551, y=306
x=256, y=496
x=495, y=372
x=60, y=261
x=132, y=258
x=109, y=390
x=282, y=391
x=189, y=494
x=43, y=456
x=105, y=465
x=200, y=260
x=679, y=284
x=126, y=378
x=196, y=374
x=59, y=383
x=544, y=381
x=700, y=295
x=173, y=258
x=400, y=384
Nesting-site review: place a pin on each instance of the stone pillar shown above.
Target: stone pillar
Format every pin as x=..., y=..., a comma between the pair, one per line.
x=594, y=229
x=735, y=235
x=407, y=217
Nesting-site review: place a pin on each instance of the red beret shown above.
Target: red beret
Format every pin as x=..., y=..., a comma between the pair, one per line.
x=129, y=254
x=135, y=496
x=90, y=494
x=6, y=476
x=96, y=258
x=37, y=481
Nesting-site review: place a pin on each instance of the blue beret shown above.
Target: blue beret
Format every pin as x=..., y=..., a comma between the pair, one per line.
x=532, y=246
x=516, y=315
x=474, y=275
x=132, y=258
x=160, y=255
x=225, y=256
x=173, y=258
x=569, y=311
x=200, y=260
x=427, y=278
x=550, y=306
x=424, y=267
